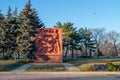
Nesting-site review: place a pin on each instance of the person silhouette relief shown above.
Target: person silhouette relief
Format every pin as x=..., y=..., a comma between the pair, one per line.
x=56, y=42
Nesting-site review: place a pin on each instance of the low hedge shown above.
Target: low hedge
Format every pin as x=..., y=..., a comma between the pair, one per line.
x=12, y=64
x=113, y=67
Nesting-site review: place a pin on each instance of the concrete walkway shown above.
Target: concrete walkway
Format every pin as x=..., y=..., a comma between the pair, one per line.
x=22, y=68
x=70, y=67
x=59, y=75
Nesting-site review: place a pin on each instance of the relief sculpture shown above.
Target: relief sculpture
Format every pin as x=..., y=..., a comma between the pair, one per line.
x=48, y=43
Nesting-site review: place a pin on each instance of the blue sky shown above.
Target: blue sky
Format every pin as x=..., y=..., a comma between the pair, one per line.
x=83, y=13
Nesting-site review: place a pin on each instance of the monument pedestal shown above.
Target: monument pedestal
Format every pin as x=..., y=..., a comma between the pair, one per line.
x=49, y=59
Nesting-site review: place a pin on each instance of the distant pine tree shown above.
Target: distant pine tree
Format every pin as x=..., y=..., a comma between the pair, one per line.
x=88, y=41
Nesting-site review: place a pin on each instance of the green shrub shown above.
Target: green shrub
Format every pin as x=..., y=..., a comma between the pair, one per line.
x=87, y=67
x=117, y=67
x=111, y=66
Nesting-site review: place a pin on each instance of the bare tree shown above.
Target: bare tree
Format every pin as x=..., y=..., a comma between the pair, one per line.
x=97, y=34
x=114, y=38
x=109, y=43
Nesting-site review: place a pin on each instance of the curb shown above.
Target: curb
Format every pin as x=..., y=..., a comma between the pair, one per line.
x=82, y=73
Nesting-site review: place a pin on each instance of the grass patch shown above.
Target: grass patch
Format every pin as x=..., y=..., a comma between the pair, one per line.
x=87, y=67
x=78, y=62
x=87, y=64
x=8, y=65
x=47, y=67
x=100, y=67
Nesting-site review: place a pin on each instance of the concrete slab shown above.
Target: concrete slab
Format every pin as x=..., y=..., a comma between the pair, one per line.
x=22, y=68
x=70, y=67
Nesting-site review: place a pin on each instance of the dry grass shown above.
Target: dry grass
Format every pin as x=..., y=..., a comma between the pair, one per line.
x=8, y=65
x=87, y=67
x=87, y=64
x=78, y=62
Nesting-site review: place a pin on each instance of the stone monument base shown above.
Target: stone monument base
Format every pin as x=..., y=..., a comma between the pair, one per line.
x=49, y=59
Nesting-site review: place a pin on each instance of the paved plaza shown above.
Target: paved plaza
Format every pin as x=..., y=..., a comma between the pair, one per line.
x=68, y=66
x=59, y=76
x=72, y=74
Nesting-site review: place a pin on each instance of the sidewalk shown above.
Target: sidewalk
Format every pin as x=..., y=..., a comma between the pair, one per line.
x=59, y=76
x=22, y=68
x=73, y=73
x=68, y=66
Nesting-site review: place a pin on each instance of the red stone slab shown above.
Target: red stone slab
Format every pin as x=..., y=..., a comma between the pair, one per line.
x=49, y=44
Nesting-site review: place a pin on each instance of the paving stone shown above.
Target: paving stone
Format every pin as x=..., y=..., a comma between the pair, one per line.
x=70, y=67
x=22, y=68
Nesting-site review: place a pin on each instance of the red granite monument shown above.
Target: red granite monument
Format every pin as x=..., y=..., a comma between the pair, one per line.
x=49, y=45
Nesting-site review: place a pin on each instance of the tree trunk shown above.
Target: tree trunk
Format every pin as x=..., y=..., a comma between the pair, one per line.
x=116, y=52
x=72, y=52
x=86, y=54
x=82, y=51
x=18, y=55
x=66, y=51
x=98, y=52
x=3, y=55
x=90, y=53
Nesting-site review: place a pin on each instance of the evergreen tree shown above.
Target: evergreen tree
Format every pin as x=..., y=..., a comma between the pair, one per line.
x=1, y=17
x=2, y=34
x=15, y=13
x=88, y=41
x=29, y=21
x=16, y=33
x=68, y=35
x=10, y=37
x=97, y=34
x=1, y=26
x=9, y=14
